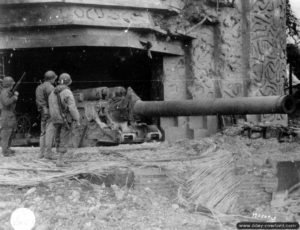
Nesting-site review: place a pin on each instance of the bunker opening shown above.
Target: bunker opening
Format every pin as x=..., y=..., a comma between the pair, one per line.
x=89, y=67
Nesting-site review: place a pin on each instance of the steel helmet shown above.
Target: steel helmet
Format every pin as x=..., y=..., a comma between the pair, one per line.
x=65, y=79
x=8, y=82
x=50, y=75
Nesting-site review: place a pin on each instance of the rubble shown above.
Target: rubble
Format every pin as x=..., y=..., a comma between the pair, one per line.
x=56, y=208
x=183, y=185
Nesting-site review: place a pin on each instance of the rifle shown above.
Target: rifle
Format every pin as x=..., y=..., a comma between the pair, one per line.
x=85, y=129
x=61, y=110
x=16, y=86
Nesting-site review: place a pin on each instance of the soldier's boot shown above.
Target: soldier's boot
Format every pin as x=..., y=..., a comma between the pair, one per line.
x=50, y=156
x=11, y=152
x=60, y=162
x=6, y=154
x=41, y=155
x=5, y=151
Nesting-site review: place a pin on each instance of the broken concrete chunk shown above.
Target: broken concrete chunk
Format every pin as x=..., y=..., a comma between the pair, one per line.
x=279, y=199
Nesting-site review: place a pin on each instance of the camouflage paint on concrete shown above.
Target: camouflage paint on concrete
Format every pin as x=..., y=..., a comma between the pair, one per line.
x=241, y=55
x=217, y=54
x=217, y=65
x=268, y=45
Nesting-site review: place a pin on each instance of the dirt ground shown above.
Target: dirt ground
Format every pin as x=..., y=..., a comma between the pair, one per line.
x=72, y=203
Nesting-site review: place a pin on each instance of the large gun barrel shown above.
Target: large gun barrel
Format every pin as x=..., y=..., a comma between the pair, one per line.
x=217, y=106
x=119, y=114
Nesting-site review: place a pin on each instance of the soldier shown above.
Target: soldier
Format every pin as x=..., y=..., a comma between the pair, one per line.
x=8, y=118
x=64, y=116
x=1, y=87
x=42, y=94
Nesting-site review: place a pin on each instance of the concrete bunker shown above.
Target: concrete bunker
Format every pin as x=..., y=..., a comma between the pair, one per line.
x=100, y=44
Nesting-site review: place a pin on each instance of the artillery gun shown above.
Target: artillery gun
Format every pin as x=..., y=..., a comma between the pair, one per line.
x=106, y=119
x=116, y=115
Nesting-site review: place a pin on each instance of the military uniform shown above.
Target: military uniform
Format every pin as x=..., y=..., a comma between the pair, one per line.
x=58, y=127
x=42, y=93
x=1, y=87
x=8, y=118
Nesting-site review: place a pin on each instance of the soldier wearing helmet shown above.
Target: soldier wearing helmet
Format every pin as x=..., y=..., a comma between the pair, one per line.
x=41, y=94
x=64, y=116
x=8, y=118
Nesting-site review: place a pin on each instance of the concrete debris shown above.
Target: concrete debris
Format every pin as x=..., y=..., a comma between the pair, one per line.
x=175, y=184
x=279, y=199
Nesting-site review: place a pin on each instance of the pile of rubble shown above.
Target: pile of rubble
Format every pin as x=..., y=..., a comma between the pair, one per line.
x=212, y=183
x=72, y=204
x=241, y=175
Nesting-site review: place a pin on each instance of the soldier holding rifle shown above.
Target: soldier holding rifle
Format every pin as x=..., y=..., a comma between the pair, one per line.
x=8, y=100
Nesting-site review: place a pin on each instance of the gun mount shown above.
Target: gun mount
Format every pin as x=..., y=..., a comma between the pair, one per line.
x=115, y=115
x=105, y=119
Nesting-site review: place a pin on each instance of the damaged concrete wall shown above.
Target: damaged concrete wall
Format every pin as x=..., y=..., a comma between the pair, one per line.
x=174, y=81
x=238, y=50
x=217, y=64
x=217, y=55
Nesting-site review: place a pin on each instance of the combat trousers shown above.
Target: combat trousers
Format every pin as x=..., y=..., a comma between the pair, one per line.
x=56, y=133
x=44, y=123
x=8, y=129
x=7, y=135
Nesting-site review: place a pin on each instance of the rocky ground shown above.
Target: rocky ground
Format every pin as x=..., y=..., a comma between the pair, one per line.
x=79, y=204
x=76, y=203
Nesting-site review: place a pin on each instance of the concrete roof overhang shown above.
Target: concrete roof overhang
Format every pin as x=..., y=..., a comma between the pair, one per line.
x=101, y=23
x=94, y=37
x=154, y=5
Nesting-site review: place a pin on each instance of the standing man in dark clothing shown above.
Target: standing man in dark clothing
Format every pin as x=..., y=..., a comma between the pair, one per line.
x=8, y=118
x=64, y=116
x=42, y=93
